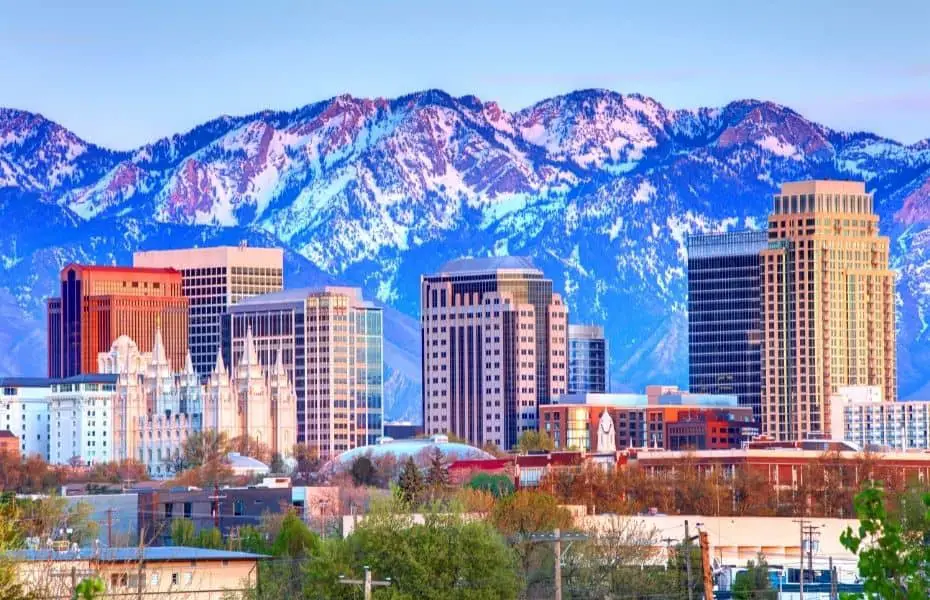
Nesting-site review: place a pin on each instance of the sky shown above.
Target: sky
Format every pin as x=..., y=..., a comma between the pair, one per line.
x=122, y=74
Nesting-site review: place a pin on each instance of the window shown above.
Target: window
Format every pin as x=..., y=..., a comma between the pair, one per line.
x=154, y=579
x=174, y=579
x=238, y=508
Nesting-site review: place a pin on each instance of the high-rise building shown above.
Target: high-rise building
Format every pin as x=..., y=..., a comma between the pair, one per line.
x=213, y=279
x=725, y=316
x=330, y=343
x=99, y=303
x=587, y=359
x=827, y=305
x=494, y=348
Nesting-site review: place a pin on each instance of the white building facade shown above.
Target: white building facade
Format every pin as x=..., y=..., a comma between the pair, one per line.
x=24, y=413
x=863, y=418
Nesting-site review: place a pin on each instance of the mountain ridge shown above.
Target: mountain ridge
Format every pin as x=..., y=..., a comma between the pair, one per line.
x=600, y=188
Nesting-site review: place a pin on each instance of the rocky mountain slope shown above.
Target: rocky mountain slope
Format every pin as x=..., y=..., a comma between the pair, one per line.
x=599, y=188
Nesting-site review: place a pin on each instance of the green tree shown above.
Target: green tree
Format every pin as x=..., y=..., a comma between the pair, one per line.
x=210, y=538
x=295, y=540
x=10, y=539
x=893, y=561
x=89, y=589
x=446, y=557
x=410, y=483
x=437, y=473
x=252, y=539
x=363, y=471
x=497, y=485
x=183, y=533
x=754, y=583
x=535, y=441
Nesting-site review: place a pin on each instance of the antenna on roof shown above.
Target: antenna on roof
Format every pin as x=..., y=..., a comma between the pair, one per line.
x=243, y=244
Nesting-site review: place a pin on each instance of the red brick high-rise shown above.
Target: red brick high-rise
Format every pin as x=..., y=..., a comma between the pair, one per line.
x=100, y=303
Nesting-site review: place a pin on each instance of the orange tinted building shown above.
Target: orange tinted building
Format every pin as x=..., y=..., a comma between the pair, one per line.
x=99, y=304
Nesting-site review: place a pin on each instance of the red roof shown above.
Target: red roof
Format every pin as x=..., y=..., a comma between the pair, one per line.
x=7, y=434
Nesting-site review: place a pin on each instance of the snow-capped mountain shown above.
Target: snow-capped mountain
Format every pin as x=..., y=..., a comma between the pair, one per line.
x=600, y=188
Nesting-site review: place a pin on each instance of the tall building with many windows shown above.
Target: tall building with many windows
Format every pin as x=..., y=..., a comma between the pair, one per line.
x=494, y=348
x=587, y=359
x=100, y=303
x=214, y=279
x=725, y=316
x=330, y=343
x=827, y=305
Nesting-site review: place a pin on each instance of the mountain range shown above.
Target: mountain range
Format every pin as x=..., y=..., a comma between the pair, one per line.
x=599, y=188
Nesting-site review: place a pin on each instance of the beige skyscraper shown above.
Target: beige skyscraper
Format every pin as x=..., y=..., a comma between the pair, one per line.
x=494, y=345
x=214, y=279
x=827, y=305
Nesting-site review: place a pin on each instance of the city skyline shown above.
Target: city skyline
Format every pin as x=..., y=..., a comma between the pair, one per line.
x=56, y=57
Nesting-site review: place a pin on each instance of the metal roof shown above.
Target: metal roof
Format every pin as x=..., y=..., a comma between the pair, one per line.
x=489, y=263
x=89, y=378
x=403, y=449
x=131, y=554
x=26, y=382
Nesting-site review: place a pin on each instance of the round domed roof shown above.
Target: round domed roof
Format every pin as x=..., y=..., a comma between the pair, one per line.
x=123, y=344
x=404, y=449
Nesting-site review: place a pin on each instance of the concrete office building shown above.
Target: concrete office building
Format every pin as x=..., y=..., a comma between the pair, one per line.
x=214, y=279
x=827, y=305
x=494, y=348
x=725, y=316
x=99, y=303
x=587, y=359
x=330, y=343
x=24, y=413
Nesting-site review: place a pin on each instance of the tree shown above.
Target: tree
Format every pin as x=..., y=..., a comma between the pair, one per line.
x=521, y=515
x=446, y=557
x=618, y=560
x=308, y=461
x=497, y=485
x=90, y=588
x=894, y=563
x=535, y=441
x=410, y=483
x=295, y=540
x=210, y=538
x=252, y=539
x=10, y=539
x=754, y=583
x=183, y=533
x=362, y=471
x=203, y=447
x=277, y=463
x=251, y=447
x=437, y=473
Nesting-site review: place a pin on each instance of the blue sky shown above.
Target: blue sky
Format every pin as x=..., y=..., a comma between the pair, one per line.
x=125, y=73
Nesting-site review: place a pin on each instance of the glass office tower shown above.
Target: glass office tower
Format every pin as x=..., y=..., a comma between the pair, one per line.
x=587, y=359
x=725, y=315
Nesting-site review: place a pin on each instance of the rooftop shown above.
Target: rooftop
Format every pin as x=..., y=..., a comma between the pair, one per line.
x=403, y=449
x=89, y=378
x=490, y=263
x=120, y=269
x=131, y=554
x=25, y=382
x=682, y=399
x=297, y=295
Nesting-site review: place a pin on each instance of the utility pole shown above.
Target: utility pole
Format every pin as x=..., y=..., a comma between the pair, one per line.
x=705, y=563
x=109, y=527
x=687, y=545
x=801, y=523
x=833, y=588
x=215, y=499
x=558, y=564
x=367, y=583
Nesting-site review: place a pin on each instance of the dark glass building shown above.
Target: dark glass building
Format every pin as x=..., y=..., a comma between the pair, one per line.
x=587, y=359
x=725, y=315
